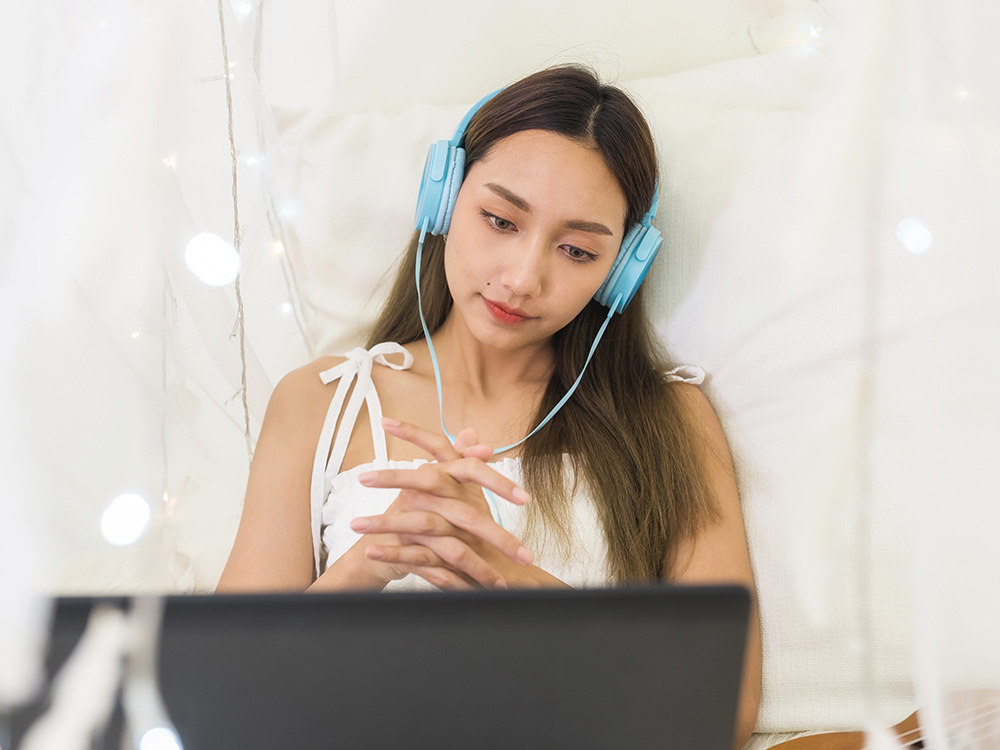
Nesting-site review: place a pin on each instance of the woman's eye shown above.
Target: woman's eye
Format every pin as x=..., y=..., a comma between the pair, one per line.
x=576, y=253
x=498, y=223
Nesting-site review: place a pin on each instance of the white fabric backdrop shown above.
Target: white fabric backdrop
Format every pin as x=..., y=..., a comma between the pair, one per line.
x=857, y=381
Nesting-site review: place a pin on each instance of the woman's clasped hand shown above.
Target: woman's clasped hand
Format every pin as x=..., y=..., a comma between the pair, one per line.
x=440, y=527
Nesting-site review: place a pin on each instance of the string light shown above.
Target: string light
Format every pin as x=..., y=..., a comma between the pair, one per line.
x=124, y=519
x=242, y=8
x=170, y=161
x=279, y=247
x=914, y=236
x=233, y=153
x=213, y=260
x=286, y=308
x=160, y=738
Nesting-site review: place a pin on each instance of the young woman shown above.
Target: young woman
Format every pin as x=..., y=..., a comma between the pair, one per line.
x=630, y=479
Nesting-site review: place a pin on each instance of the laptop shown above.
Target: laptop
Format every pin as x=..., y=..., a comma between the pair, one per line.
x=644, y=667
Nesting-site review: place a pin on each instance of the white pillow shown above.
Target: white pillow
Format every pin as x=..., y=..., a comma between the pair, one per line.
x=856, y=380
x=781, y=330
x=388, y=55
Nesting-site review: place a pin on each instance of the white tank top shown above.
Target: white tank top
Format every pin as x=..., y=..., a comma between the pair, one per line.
x=338, y=497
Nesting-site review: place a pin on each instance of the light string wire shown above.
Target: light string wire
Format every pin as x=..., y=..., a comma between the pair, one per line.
x=240, y=319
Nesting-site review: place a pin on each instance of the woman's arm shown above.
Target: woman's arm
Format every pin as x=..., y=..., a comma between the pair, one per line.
x=273, y=546
x=718, y=553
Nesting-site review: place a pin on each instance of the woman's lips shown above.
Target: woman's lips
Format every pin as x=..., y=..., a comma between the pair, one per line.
x=506, y=315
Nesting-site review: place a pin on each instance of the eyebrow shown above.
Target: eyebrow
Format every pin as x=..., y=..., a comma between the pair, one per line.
x=517, y=201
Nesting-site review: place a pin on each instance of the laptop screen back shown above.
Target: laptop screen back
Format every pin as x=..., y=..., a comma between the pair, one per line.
x=652, y=667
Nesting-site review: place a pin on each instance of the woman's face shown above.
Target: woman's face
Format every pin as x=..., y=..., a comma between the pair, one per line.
x=536, y=228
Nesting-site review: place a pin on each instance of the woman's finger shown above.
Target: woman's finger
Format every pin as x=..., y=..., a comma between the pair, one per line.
x=432, y=478
x=456, y=514
x=435, y=444
x=413, y=555
x=416, y=522
x=450, y=553
x=444, y=578
x=481, y=451
x=461, y=558
x=465, y=439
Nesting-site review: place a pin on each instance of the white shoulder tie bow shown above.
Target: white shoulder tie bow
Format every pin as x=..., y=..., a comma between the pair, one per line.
x=356, y=368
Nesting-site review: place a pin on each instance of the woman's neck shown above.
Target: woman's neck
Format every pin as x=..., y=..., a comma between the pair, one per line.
x=485, y=371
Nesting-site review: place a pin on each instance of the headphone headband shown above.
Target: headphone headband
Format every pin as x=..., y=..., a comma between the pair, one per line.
x=460, y=130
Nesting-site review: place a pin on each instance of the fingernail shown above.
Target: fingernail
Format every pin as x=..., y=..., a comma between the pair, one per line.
x=520, y=495
x=361, y=524
x=375, y=553
x=367, y=477
x=524, y=556
x=386, y=422
x=500, y=584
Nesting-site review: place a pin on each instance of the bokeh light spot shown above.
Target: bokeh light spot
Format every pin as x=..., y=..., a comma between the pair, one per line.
x=125, y=519
x=914, y=236
x=212, y=259
x=160, y=738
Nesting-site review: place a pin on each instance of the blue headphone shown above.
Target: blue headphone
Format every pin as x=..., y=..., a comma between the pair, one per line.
x=444, y=170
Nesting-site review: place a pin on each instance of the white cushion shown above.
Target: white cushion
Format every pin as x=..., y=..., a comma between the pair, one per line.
x=781, y=329
x=389, y=55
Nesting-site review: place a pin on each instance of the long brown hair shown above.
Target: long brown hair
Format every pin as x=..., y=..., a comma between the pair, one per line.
x=627, y=437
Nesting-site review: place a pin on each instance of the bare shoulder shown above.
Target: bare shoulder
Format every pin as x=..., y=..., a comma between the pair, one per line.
x=307, y=377
x=703, y=421
x=302, y=390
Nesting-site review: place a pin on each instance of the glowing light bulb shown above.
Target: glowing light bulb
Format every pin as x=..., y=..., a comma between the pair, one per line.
x=242, y=7
x=279, y=247
x=286, y=308
x=125, y=519
x=212, y=259
x=251, y=160
x=914, y=236
x=160, y=738
x=170, y=161
x=136, y=334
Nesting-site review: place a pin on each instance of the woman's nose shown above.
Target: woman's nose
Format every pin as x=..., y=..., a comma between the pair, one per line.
x=526, y=268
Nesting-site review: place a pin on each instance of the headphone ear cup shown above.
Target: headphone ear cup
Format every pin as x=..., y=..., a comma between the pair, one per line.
x=637, y=253
x=444, y=168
